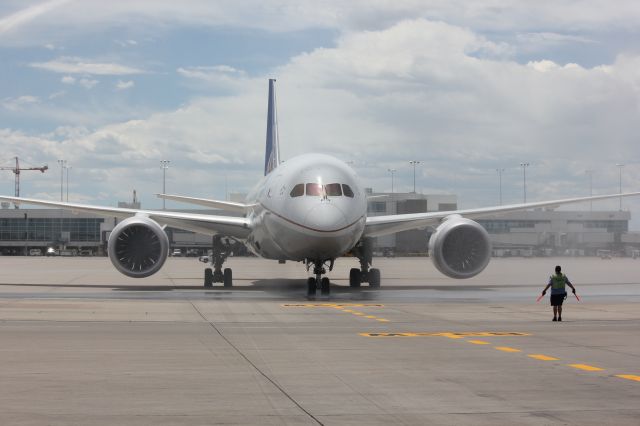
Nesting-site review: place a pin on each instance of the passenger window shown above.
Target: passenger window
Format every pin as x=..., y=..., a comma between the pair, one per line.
x=333, y=190
x=314, y=189
x=346, y=189
x=297, y=190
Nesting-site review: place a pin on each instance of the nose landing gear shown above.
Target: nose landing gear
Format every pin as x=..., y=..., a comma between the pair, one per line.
x=319, y=282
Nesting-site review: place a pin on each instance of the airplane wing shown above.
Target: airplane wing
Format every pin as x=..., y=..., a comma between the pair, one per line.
x=236, y=227
x=390, y=224
x=216, y=204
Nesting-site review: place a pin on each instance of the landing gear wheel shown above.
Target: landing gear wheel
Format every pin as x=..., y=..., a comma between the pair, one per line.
x=325, y=286
x=208, y=278
x=355, y=277
x=228, y=277
x=374, y=278
x=311, y=286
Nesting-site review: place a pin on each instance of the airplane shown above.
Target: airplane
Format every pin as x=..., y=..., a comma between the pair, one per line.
x=311, y=208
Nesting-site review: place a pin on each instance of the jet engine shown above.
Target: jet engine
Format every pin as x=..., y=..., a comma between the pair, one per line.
x=460, y=247
x=138, y=247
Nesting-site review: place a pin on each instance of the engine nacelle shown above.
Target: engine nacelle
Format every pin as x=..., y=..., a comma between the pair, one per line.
x=138, y=247
x=460, y=247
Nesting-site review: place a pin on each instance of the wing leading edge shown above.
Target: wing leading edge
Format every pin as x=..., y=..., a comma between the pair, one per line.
x=236, y=227
x=390, y=224
x=215, y=204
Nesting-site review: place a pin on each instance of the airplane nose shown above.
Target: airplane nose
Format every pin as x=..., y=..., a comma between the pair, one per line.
x=325, y=218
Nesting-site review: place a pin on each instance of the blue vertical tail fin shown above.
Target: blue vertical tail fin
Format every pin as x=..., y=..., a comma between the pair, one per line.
x=272, y=153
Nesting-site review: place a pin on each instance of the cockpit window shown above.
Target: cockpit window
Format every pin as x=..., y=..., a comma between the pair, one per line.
x=333, y=190
x=297, y=190
x=346, y=189
x=314, y=189
x=319, y=190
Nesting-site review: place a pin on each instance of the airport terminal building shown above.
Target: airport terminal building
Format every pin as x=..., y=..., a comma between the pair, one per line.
x=529, y=233
x=539, y=232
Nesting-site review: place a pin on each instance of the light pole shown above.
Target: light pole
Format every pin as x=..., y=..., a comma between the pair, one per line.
x=524, y=180
x=68, y=168
x=63, y=164
x=500, y=179
x=620, y=166
x=414, y=163
x=392, y=171
x=590, y=173
x=164, y=165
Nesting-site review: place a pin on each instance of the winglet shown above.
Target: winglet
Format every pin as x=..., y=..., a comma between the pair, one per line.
x=272, y=154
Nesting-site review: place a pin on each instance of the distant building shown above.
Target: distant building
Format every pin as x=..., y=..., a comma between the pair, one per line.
x=407, y=242
x=559, y=232
x=532, y=232
x=134, y=204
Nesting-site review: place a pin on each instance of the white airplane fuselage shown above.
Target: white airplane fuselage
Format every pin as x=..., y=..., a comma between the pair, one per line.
x=322, y=222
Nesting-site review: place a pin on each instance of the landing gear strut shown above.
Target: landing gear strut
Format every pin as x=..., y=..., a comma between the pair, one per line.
x=364, y=252
x=221, y=249
x=323, y=283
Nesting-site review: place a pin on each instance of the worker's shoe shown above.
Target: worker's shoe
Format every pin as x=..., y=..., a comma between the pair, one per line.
x=554, y=319
x=559, y=318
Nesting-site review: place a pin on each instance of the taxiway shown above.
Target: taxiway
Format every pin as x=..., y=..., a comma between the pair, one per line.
x=82, y=344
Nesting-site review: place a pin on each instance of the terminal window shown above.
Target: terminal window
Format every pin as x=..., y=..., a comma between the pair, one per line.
x=50, y=229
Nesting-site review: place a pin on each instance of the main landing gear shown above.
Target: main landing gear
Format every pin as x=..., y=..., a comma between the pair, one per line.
x=364, y=252
x=319, y=282
x=221, y=249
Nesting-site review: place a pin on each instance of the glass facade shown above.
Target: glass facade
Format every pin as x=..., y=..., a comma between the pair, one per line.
x=504, y=226
x=609, y=225
x=50, y=229
x=377, y=207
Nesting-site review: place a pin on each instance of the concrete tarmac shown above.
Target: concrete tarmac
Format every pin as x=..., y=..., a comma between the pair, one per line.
x=81, y=344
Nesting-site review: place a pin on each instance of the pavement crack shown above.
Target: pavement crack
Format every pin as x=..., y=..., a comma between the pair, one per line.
x=255, y=367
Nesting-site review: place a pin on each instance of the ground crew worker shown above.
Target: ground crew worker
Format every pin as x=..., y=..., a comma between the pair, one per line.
x=558, y=293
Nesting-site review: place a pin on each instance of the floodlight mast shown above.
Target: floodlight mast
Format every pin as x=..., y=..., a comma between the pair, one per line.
x=392, y=171
x=164, y=165
x=500, y=179
x=524, y=180
x=620, y=166
x=414, y=163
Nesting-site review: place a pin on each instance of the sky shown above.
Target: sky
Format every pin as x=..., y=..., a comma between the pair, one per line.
x=466, y=88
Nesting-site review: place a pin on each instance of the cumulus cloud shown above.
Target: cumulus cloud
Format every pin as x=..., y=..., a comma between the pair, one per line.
x=217, y=76
x=28, y=14
x=20, y=103
x=87, y=83
x=73, y=65
x=126, y=43
x=124, y=85
x=291, y=15
x=418, y=89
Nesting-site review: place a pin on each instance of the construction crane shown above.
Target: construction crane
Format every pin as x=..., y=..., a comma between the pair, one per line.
x=17, y=169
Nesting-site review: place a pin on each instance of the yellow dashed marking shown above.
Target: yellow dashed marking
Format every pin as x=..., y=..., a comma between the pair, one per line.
x=382, y=320
x=542, y=357
x=370, y=316
x=448, y=334
x=331, y=305
x=585, y=367
x=507, y=349
x=347, y=310
x=451, y=335
x=358, y=313
x=629, y=377
x=478, y=342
